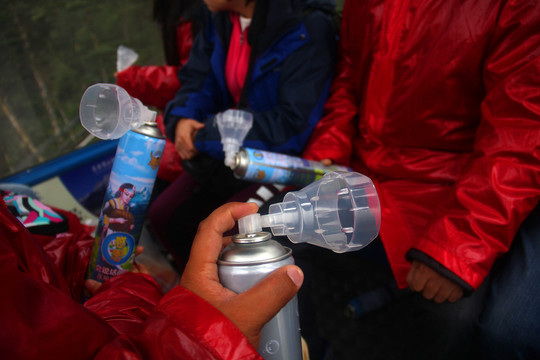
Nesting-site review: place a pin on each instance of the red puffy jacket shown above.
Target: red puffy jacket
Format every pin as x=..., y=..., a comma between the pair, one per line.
x=439, y=103
x=128, y=318
x=155, y=86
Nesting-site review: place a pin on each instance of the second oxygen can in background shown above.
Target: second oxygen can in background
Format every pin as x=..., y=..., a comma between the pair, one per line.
x=274, y=168
x=124, y=208
x=249, y=259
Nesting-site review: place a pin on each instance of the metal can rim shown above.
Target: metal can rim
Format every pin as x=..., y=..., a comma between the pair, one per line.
x=149, y=128
x=288, y=252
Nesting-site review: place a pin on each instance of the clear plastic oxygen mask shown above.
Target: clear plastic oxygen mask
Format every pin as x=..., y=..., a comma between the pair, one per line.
x=108, y=112
x=233, y=126
x=340, y=212
x=125, y=57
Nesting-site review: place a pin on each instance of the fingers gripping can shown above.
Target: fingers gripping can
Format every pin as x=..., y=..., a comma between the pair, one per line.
x=123, y=211
x=248, y=260
x=274, y=168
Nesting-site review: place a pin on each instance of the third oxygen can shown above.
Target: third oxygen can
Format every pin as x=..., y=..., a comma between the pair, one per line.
x=249, y=259
x=274, y=168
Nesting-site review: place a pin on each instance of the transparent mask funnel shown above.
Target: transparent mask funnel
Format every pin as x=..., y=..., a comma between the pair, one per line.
x=340, y=212
x=108, y=112
x=125, y=57
x=233, y=126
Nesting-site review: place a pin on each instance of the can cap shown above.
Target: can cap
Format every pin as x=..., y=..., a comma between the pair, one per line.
x=150, y=128
x=252, y=249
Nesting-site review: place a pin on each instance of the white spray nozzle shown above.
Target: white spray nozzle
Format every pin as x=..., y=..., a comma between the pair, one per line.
x=340, y=212
x=233, y=127
x=108, y=112
x=250, y=224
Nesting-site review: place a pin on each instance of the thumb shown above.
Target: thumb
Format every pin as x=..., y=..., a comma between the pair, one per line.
x=92, y=286
x=327, y=162
x=275, y=291
x=264, y=300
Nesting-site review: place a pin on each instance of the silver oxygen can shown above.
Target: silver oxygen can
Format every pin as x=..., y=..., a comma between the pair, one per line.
x=274, y=168
x=249, y=259
x=124, y=207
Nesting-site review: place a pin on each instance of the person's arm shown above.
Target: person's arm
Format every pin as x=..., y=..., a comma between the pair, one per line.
x=185, y=132
x=288, y=95
x=198, y=319
x=500, y=186
x=250, y=310
x=38, y=314
x=332, y=137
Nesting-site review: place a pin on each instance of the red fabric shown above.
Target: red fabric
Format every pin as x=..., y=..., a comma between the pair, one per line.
x=155, y=86
x=237, y=63
x=438, y=102
x=184, y=40
x=170, y=166
x=70, y=251
x=111, y=299
x=127, y=318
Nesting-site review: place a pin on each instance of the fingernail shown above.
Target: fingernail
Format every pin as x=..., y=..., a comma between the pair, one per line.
x=296, y=276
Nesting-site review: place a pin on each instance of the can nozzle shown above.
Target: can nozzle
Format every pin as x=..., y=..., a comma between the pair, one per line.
x=340, y=212
x=233, y=126
x=108, y=112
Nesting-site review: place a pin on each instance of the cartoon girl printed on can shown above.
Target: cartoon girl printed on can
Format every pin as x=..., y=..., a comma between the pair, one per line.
x=116, y=215
x=124, y=208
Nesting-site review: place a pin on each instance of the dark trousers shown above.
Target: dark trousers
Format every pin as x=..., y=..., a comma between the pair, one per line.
x=501, y=320
x=510, y=323
x=404, y=326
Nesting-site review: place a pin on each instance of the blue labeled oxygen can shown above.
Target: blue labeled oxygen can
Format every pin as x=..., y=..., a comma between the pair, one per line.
x=275, y=168
x=123, y=212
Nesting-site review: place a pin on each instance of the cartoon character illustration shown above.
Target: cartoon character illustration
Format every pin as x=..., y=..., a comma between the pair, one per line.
x=155, y=159
x=116, y=215
x=118, y=248
x=258, y=155
x=261, y=174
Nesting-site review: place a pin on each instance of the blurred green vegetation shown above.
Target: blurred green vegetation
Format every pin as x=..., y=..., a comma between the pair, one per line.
x=50, y=52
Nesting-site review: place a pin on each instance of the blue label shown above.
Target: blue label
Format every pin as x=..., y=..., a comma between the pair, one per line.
x=269, y=167
x=117, y=248
x=124, y=208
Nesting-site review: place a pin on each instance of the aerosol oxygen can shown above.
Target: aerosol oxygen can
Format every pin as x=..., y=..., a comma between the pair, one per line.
x=274, y=168
x=249, y=259
x=123, y=211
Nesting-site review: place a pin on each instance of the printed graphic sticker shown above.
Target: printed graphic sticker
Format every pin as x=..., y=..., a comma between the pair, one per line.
x=117, y=248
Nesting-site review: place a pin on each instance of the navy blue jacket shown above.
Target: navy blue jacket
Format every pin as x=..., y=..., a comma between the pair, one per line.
x=289, y=84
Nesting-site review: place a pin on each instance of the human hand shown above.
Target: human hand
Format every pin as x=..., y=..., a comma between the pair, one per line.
x=92, y=285
x=432, y=285
x=327, y=162
x=252, y=309
x=185, y=132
